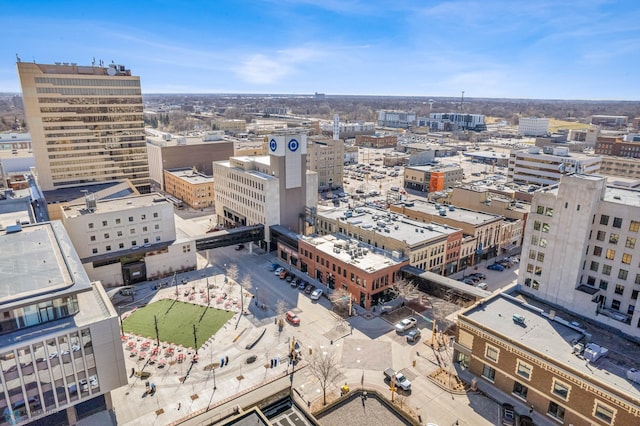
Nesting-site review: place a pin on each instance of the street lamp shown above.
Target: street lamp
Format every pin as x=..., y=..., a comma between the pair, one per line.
x=257, y=295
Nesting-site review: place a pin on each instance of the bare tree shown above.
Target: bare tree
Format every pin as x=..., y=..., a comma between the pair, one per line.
x=340, y=298
x=281, y=309
x=405, y=289
x=245, y=284
x=324, y=367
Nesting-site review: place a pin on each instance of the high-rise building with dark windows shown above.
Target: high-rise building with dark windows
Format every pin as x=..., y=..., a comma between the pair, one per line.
x=86, y=123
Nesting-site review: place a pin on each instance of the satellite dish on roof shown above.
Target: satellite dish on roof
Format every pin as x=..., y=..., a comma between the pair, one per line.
x=111, y=71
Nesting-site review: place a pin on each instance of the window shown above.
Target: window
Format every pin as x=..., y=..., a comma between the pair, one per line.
x=108, y=248
x=617, y=222
x=601, y=235
x=631, y=242
x=634, y=226
x=94, y=250
x=92, y=238
x=622, y=274
x=637, y=281
x=520, y=390
x=591, y=280
x=594, y=266
x=611, y=254
x=615, y=304
x=489, y=373
x=134, y=243
x=545, y=227
x=604, y=284
x=529, y=268
x=121, y=245
x=540, y=257
x=132, y=231
x=155, y=214
x=555, y=411
x=130, y=218
x=619, y=289
x=118, y=221
x=119, y=233
x=634, y=295
x=534, y=240
x=597, y=251
x=90, y=225
x=543, y=242
x=104, y=223
x=537, y=225
x=157, y=238
x=606, y=269
x=549, y=211
x=523, y=370
x=144, y=229
x=532, y=254
x=603, y=412
x=106, y=236
x=492, y=353
x=143, y=217
x=156, y=226
x=604, y=219
x=613, y=238
x=540, y=210
x=631, y=309
x=560, y=389
x=626, y=258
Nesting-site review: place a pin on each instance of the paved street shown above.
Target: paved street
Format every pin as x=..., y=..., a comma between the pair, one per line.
x=364, y=346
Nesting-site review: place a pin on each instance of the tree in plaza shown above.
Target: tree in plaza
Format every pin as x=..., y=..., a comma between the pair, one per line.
x=405, y=289
x=340, y=299
x=324, y=367
x=231, y=272
x=245, y=285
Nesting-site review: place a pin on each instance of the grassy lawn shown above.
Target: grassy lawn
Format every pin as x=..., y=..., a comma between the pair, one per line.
x=555, y=125
x=175, y=322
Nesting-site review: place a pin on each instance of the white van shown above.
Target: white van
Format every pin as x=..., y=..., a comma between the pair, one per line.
x=483, y=286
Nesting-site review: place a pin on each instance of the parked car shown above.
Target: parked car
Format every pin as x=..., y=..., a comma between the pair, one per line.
x=508, y=415
x=413, y=335
x=290, y=277
x=480, y=275
x=239, y=247
x=128, y=291
x=400, y=380
x=406, y=324
x=302, y=285
x=278, y=270
x=293, y=318
x=273, y=267
x=295, y=283
x=283, y=274
x=496, y=267
x=315, y=295
x=309, y=289
x=483, y=286
x=468, y=281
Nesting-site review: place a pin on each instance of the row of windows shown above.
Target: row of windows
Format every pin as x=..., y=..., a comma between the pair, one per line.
x=558, y=388
x=81, y=91
x=92, y=110
x=89, y=101
x=120, y=233
x=103, y=82
x=121, y=245
x=118, y=220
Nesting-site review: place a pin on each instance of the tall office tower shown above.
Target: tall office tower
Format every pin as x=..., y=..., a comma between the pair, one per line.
x=86, y=123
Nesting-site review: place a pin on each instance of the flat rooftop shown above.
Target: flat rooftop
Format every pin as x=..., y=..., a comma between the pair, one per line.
x=472, y=217
x=188, y=175
x=372, y=259
x=117, y=204
x=627, y=197
x=396, y=226
x=554, y=338
x=40, y=263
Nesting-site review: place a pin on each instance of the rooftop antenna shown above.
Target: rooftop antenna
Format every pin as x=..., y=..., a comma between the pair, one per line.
x=461, y=101
x=18, y=58
x=93, y=63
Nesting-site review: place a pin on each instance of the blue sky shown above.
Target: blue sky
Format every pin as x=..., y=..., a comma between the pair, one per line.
x=559, y=49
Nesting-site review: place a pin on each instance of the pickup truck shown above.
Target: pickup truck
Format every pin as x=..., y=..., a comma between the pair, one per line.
x=400, y=380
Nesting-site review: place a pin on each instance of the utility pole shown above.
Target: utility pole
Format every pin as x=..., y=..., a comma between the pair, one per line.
x=155, y=320
x=195, y=338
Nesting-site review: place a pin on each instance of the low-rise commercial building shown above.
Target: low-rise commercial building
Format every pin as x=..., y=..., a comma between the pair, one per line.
x=366, y=272
x=229, y=125
x=325, y=156
x=533, y=126
x=377, y=141
x=432, y=178
x=548, y=364
x=191, y=187
x=61, y=353
x=430, y=247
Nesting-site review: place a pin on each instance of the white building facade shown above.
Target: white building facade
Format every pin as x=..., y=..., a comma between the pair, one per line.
x=270, y=190
x=580, y=251
x=545, y=167
x=533, y=126
x=128, y=240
